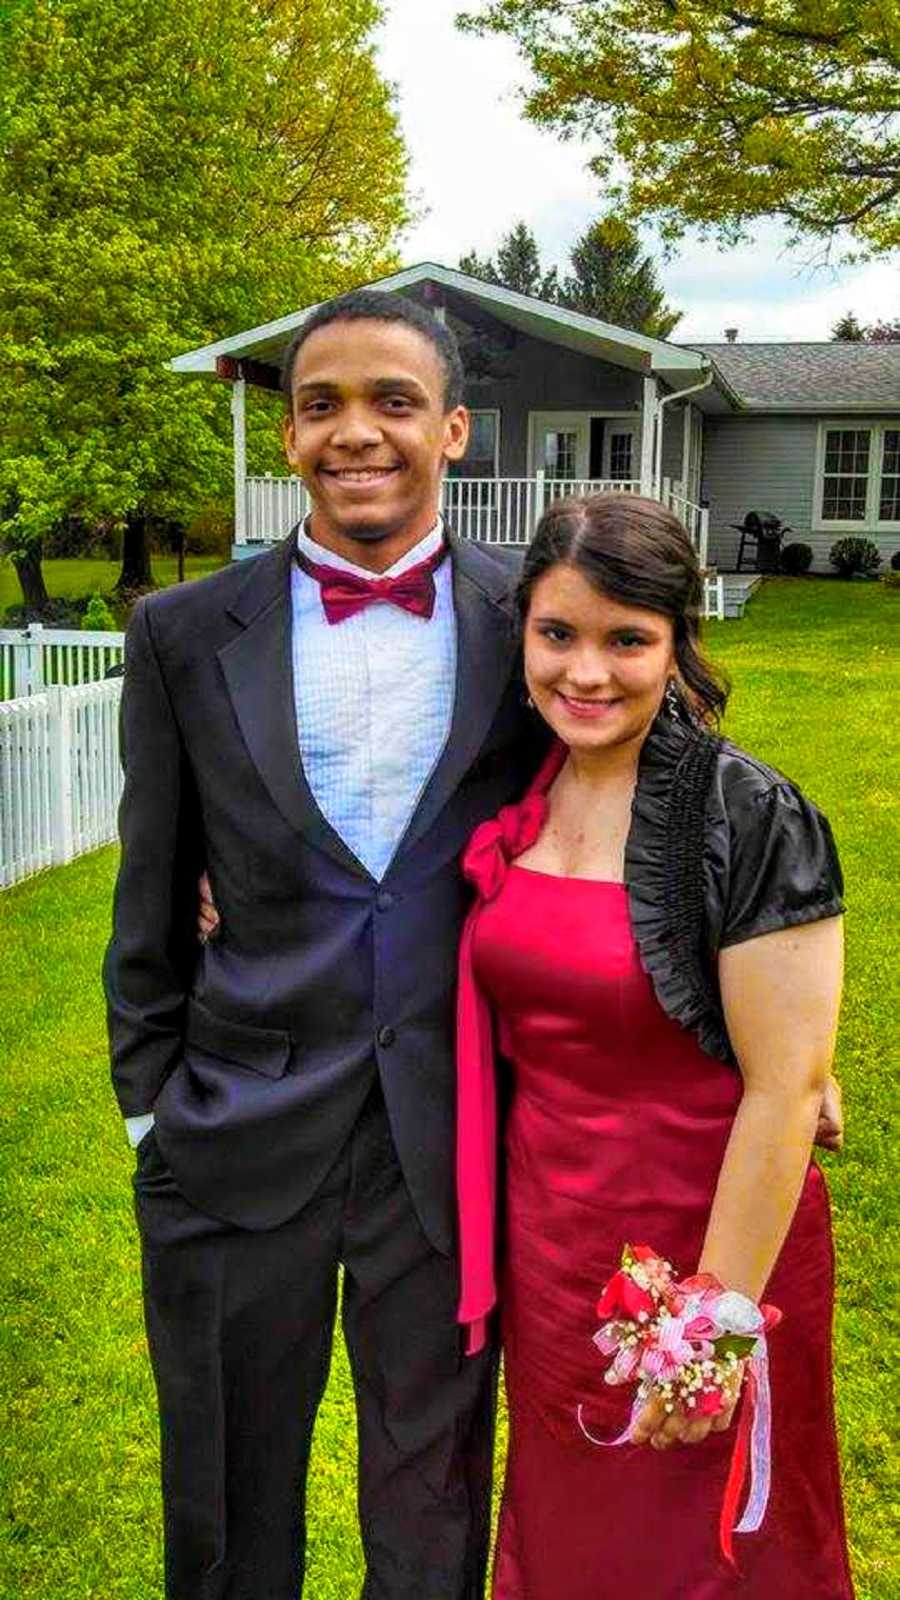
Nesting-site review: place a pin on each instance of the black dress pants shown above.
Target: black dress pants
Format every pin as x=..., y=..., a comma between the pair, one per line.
x=240, y=1327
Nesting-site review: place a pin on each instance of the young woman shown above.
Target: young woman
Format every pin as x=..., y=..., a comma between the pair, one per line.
x=655, y=954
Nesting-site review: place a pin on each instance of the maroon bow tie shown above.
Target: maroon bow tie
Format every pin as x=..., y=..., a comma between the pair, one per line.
x=343, y=593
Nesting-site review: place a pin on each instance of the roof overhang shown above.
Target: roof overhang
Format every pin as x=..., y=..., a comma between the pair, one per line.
x=265, y=345
x=820, y=408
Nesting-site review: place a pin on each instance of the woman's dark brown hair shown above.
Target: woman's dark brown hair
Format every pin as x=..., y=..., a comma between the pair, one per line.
x=635, y=551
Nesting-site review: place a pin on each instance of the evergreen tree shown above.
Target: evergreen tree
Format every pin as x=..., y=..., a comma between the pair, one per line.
x=518, y=262
x=475, y=267
x=851, y=331
x=612, y=279
x=848, y=330
x=169, y=173
x=517, y=267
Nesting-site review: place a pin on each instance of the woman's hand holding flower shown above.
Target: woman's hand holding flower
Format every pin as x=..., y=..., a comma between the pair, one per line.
x=661, y=1428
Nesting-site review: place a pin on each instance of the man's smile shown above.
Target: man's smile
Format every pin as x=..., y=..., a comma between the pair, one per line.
x=360, y=474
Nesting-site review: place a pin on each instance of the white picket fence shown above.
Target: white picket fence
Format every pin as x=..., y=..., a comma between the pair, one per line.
x=33, y=658
x=60, y=778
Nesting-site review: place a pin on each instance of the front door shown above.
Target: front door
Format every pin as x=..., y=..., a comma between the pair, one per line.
x=560, y=445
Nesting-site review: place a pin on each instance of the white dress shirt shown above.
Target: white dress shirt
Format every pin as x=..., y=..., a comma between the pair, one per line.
x=374, y=700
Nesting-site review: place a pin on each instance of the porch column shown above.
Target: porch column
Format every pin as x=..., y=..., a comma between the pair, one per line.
x=649, y=424
x=686, y=450
x=239, y=434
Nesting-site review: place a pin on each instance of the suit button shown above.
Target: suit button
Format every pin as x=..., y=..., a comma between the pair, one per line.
x=385, y=1037
x=384, y=900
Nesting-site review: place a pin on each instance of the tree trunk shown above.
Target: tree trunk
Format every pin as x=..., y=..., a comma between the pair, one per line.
x=31, y=578
x=135, y=573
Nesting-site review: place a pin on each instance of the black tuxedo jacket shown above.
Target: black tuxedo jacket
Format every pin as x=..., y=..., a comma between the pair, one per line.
x=257, y=1051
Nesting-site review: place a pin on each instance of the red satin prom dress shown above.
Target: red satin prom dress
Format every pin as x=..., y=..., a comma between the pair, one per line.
x=615, y=1131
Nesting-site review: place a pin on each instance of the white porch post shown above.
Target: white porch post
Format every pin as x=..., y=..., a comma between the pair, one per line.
x=703, y=541
x=239, y=434
x=686, y=450
x=648, y=437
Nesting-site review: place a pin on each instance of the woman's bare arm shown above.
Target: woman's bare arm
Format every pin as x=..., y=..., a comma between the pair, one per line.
x=781, y=995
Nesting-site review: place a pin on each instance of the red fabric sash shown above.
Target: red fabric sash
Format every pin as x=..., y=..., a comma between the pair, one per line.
x=492, y=846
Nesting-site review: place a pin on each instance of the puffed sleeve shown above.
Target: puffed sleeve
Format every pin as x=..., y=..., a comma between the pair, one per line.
x=784, y=867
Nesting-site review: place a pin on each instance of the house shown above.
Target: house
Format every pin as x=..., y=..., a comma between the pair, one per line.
x=563, y=403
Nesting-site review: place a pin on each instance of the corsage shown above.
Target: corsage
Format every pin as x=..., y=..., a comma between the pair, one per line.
x=694, y=1344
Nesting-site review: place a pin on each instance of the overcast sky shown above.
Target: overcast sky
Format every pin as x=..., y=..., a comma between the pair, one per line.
x=478, y=167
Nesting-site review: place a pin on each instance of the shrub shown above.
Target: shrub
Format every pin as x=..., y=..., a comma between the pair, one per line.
x=891, y=580
x=98, y=618
x=57, y=613
x=895, y=561
x=796, y=558
x=211, y=531
x=854, y=555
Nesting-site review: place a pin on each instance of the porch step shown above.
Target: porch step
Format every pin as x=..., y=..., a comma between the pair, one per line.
x=740, y=587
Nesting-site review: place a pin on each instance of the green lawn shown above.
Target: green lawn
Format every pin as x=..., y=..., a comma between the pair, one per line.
x=815, y=669
x=80, y=576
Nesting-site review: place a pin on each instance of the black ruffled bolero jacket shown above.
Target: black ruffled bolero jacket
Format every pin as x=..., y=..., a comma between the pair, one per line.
x=721, y=848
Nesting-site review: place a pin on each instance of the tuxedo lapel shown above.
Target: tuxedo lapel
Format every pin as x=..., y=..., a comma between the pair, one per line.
x=258, y=672
x=486, y=649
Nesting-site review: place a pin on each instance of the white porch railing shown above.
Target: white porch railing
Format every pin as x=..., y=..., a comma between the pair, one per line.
x=714, y=597
x=273, y=506
x=496, y=510
x=507, y=510
x=60, y=778
x=34, y=657
x=694, y=517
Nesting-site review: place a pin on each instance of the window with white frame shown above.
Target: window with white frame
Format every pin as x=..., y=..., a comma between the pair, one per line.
x=858, y=477
x=482, y=450
x=889, y=488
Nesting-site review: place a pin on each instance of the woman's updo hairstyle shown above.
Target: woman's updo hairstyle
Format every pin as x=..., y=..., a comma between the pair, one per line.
x=635, y=551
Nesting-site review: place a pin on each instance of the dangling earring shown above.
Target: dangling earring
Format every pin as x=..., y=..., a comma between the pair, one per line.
x=528, y=702
x=672, y=699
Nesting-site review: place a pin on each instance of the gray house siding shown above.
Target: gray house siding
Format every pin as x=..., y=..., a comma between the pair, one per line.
x=545, y=377
x=769, y=464
x=758, y=464
x=673, y=441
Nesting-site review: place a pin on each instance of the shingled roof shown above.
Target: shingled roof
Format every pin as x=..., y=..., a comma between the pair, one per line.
x=810, y=377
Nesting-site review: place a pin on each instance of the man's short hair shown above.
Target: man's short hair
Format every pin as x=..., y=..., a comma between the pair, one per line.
x=374, y=305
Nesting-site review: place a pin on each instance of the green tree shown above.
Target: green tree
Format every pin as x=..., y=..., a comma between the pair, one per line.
x=725, y=111
x=851, y=331
x=612, y=279
x=169, y=173
x=517, y=266
x=479, y=267
x=848, y=330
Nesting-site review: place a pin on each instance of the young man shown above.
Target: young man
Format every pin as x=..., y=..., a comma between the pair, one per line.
x=323, y=748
